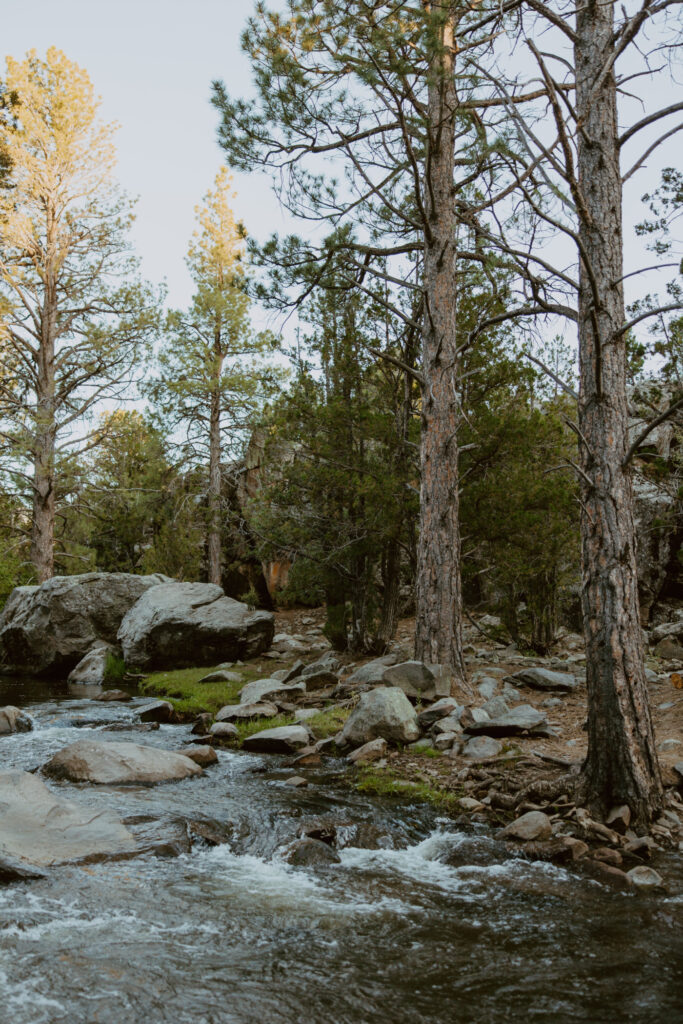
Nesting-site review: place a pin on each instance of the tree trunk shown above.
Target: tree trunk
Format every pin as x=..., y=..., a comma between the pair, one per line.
x=438, y=629
x=214, y=531
x=621, y=766
x=391, y=581
x=43, y=518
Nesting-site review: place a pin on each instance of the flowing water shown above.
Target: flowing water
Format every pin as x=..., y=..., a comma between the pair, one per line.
x=440, y=924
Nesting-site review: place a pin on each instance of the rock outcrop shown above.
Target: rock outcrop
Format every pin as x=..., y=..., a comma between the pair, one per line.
x=40, y=829
x=118, y=764
x=46, y=630
x=176, y=625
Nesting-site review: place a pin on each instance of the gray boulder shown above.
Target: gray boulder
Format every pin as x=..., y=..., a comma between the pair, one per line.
x=47, y=630
x=157, y=711
x=482, y=747
x=224, y=731
x=512, y=723
x=283, y=740
x=372, y=673
x=270, y=689
x=221, y=675
x=91, y=669
x=40, y=829
x=309, y=853
x=420, y=681
x=118, y=763
x=544, y=679
x=179, y=624
x=384, y=712
x=14, y=720
x=245, y=712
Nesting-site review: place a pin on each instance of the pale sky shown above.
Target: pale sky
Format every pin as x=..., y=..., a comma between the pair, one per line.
x=152, y=62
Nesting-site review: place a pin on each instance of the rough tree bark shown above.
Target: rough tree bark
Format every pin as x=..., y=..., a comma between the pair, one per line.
x=214, y=497
x=438, y=630
x=621, y=766
x=43, y=520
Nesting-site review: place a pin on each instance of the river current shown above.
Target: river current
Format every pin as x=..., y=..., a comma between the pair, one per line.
x=438, y=924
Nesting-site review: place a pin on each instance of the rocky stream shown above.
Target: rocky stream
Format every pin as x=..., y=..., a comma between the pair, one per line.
x=411, y=917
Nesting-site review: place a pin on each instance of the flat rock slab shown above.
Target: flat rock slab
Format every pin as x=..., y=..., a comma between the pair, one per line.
x=544, y=679
x=119, y=764
x=384, y=713
x=284, y=740
x=272, y=689
x=174, y=625
x=39, y=829
x=512, y=723
x=245, y=712
x=222, y=675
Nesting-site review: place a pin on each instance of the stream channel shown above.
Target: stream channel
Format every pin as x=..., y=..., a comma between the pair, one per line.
x=441, y=925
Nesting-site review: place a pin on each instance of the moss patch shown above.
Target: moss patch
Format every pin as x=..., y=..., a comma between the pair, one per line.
x=387, y=782
x=114, y=668
x=188, y=695
x=328, y=722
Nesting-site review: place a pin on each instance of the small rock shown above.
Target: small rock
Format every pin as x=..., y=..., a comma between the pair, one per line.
x=246, y=712
x=445, y=740
x=14, y=720
x=320, y=679
x=619, y=818
x=369, y=752
x=439, y=709
x=532, y=825
x=159, y=711
x=473, y=716
x=418, y=680
x=203, y=755
x=384, y=712
x=283, y=740
x=294, y=672
x=449, y=724
x=521, y=719
x=271, y=689
x=488, y=687
x=202, y=724
x=645, y=878
x=224, y=731
x=297, y=781
x=303, y=714
x=641, y=846
x=544, y=679
x=222, y=675
x=495, y=707
x=669, y=650
x=482, y=747
x=372, y=672
x=608, y=856
x=607, y=874
x=552, y=702
x=108, y=695
x=670, y=744
x=468, y=803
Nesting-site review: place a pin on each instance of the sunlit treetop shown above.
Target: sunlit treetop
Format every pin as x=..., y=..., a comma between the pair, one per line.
x=216, y=252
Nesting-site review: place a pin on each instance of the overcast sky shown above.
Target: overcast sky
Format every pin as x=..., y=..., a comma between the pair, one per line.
x=152, y=62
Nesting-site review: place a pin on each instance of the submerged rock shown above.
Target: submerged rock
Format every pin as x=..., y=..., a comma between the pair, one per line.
x=309, y=853
x=112, y=695
x=119, y=763
x=39, y=829
x=178, y=624
x=159, y=711
x=14, y=720
x=384, y=712
x=48, y=629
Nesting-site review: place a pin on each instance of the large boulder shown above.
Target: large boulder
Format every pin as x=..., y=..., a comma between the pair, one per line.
x=175, y=625
x=47, y=630
x=38, y=828
x=119, y=763
x=383, y=713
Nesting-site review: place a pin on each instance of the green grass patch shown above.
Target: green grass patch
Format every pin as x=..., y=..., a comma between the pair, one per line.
x=387, y=782
x=188, y=695
x=328, y=722
x=114, y=668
